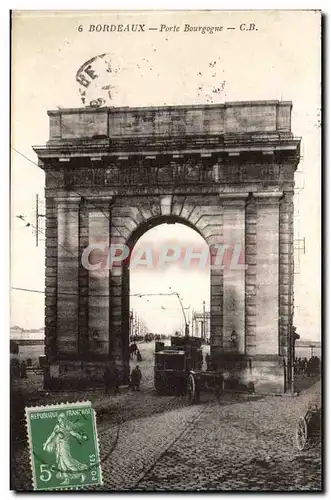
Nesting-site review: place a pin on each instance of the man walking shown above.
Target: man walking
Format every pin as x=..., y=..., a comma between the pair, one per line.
x=111, y=378
x=136, y=378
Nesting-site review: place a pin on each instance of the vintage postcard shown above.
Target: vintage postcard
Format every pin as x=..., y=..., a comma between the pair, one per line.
x=166, y=251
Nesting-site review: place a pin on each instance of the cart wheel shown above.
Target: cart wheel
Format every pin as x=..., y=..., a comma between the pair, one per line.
x=301, y=434
x=191, y=391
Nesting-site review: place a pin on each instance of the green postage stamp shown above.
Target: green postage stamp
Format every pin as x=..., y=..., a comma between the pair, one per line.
x=64, y=447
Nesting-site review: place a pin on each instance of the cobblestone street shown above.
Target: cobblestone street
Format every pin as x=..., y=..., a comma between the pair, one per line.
x=160, y=443
x=247, y=445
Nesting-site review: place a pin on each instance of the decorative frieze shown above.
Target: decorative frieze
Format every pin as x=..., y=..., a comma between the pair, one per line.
x=160, y=171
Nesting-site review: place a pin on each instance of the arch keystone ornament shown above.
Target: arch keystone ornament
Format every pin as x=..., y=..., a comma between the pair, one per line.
x=117, y=178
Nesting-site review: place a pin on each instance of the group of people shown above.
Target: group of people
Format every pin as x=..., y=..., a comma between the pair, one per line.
x=309, y=367
x=18, y=369
x=148, y=337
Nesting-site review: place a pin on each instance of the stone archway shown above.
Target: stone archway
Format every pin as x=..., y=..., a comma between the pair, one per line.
x=112, y=171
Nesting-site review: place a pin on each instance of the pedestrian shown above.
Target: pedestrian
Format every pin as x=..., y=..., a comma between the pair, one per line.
x=107, y=379
x=116, y=379
x=136, y=378
x=139, y=358
x=111, y=378
x=207, y=359
x=199, y=360
x=23, y=373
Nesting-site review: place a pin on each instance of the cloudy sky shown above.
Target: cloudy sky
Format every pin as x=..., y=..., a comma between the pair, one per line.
x=280, y=59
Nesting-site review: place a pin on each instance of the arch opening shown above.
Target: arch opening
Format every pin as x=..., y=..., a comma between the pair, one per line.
x=165, y=287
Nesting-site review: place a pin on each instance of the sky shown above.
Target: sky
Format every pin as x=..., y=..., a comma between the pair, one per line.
x=280, y=60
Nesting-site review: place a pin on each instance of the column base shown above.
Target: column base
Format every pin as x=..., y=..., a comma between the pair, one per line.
x=263, y=374
x=80, y=375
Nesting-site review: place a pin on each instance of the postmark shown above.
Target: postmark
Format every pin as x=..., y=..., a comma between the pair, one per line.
x=64, y=447
x=97, y=79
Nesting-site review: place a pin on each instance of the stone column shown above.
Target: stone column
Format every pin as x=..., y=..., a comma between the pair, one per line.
x=285, y=270
x=83, y=281
x=119, y=290
x=250, y=260
x=267, y=271
x=234, y=272
x=98, y=279
x=216, y=291
x=119, y=303
x=67, y=275
x=51, y=262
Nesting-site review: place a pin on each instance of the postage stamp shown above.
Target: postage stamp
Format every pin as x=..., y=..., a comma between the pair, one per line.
x=64, y=447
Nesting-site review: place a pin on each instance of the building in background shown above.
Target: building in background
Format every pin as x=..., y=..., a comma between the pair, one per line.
x=201, y=324
x=31, y=343
x=307, y=349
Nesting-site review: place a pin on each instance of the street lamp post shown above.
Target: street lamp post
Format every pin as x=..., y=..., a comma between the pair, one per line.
x=204, y=320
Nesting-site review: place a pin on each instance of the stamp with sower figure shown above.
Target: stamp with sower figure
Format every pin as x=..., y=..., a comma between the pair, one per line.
x=64, y=448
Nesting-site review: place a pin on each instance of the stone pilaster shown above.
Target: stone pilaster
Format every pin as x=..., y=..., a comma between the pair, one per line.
x=267, y=268
x=250, y=281
x=216, y=292
x=68, y=272
x=234, y=272
x=51, y=261
x=83, y=281
x=118, y=294
x=98, y=279
x=285, y=269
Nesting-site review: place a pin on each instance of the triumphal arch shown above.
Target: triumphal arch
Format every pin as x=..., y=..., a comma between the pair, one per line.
x=225, y=170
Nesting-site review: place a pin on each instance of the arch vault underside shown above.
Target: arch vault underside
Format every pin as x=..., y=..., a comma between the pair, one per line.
x=225, y=170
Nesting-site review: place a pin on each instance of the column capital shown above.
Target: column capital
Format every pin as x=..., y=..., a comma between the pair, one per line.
x=70, y=199
x=98, y=197
x=271, y=198
x=268, y=194
x=95, y=202
x=287, y=196
x=234, y=195
x=234, y=199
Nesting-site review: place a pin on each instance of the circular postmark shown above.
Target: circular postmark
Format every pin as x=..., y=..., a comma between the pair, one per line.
x=98, y=79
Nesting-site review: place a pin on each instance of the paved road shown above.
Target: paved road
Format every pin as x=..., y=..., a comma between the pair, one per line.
x=159, y=443
x=248, y=445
